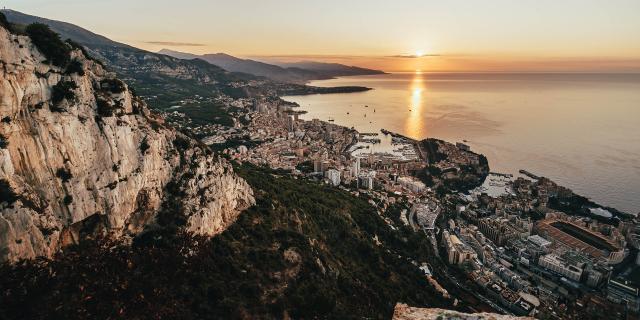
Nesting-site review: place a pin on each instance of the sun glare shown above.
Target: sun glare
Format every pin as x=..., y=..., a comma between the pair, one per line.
x=419, y=53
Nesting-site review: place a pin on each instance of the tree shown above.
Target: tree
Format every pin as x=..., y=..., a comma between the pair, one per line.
x=49, y=43
x=4, y=23
x=4, y=143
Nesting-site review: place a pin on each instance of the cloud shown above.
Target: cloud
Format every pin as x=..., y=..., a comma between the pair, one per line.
x=175, y=44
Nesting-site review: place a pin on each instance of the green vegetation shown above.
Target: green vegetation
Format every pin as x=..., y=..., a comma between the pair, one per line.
x=207, y=113
x=64, y=174
x=104, y=108
x=4, y=142
x=181, y=143
x=305, y=167
x=144, y=146
x=4, y=23
x=113, y=85
x=75, y=66
x=49, y=43
x=63, y=90
x=304, y=250
x=7, y=194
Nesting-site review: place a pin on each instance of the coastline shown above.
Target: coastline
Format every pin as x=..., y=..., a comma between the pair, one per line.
x=609, y=185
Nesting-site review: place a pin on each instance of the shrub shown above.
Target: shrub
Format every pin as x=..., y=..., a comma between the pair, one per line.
x=4, y=142
x=104, y=108
x=86, y=54
x=68, y=199
x=113, y=85
x=181, y=143
x=75, y=66
x=6, y=193
x=64, y=174
x=4, y=23
x=144, y=146
x=49, y=43
x=6, y=119
x=63, y=90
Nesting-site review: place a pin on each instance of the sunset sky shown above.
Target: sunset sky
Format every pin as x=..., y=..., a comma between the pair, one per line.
x=489, y=35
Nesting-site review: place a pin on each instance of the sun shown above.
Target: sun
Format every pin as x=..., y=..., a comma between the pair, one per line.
x=419, y=53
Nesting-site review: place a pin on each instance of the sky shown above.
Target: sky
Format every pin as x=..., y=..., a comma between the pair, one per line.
x=471, y=35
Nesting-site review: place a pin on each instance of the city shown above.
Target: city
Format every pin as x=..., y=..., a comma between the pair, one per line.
x=517, y=252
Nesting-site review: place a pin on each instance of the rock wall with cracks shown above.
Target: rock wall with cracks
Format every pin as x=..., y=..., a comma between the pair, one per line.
x=96, y=161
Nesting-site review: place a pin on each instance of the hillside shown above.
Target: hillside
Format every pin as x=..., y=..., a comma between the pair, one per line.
x=293, y=72
x=304, y=251
x=81, y=155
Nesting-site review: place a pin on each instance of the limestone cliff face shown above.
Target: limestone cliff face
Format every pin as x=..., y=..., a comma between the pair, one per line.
x=404, y=312
x=95, y=160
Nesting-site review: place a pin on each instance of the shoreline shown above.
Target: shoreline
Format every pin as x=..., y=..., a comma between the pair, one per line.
x=587, y=201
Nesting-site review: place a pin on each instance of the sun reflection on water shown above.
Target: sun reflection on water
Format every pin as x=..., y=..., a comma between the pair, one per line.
x=414, y=123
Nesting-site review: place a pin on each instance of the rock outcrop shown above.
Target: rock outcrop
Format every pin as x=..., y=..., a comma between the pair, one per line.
x=80, y=154
x=404, y=312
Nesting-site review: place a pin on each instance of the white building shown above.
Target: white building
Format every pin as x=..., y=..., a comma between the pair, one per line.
x=557, y=264
x=356, y=167
x=365, y=181
x=412, y=184
x=334, y=177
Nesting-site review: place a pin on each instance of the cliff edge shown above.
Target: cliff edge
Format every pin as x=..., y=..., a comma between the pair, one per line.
x=80, y=155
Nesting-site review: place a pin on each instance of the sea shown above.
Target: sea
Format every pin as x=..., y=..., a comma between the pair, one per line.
x=580, y=130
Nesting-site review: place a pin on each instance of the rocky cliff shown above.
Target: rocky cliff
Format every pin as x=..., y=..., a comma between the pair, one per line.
x=404, y=312
x=81, y=155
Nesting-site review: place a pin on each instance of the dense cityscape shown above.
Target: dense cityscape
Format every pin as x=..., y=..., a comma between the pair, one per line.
x=515, y=243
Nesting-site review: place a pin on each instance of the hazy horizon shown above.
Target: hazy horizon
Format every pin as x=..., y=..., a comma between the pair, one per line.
x=496, y=36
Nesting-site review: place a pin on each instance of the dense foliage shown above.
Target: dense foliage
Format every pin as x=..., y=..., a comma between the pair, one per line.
x=305, y=250
x=6, y=193
x=104, y=108
x=4, y=142
x=75, y=66
x=49, y=43
x=64, y=174
x=63, y=90
x=4, y=23
x=113, y=85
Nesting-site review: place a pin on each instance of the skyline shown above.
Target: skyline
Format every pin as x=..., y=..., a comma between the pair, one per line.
x=500, y=36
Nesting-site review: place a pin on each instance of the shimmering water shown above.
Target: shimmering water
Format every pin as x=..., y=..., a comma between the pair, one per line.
x=581, y=130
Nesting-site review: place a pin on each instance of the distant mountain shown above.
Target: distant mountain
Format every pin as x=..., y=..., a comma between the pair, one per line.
x=161, y=80
x=249, y=66
x=292, y=72
x=329, y=68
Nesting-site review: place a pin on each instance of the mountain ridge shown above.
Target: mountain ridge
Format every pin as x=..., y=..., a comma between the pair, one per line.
x=287, y=72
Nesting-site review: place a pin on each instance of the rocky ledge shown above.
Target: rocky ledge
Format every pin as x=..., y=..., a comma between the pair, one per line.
x=404, y=312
